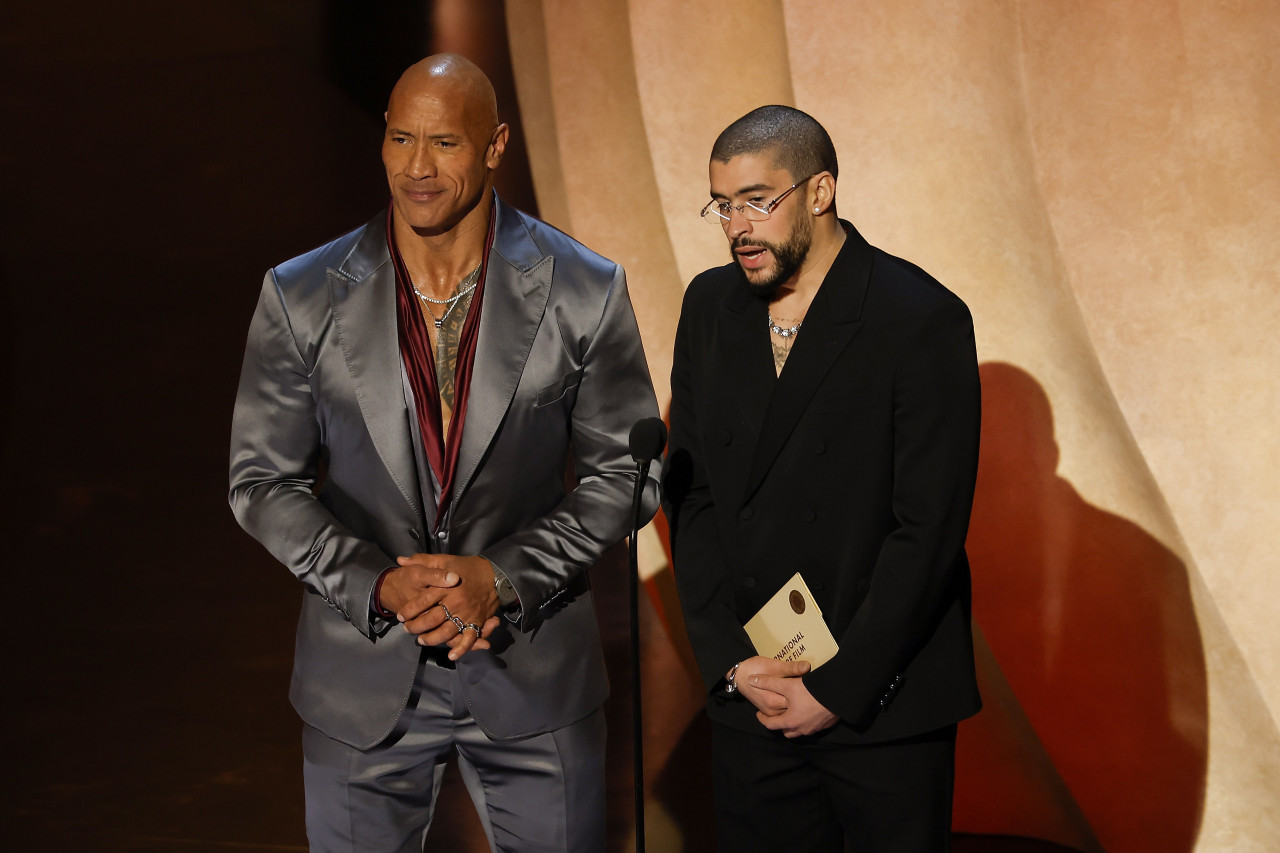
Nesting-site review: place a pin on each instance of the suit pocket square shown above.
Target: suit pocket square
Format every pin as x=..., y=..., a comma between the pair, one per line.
x=558, y=389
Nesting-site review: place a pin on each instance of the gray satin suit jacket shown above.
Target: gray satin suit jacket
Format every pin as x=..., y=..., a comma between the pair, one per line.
x=326, y=471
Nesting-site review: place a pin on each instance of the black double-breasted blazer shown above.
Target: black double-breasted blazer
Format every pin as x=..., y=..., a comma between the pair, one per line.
x=855, y=467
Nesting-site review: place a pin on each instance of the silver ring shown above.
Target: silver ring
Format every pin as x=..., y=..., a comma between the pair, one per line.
x=457, y=623
x=474, y=627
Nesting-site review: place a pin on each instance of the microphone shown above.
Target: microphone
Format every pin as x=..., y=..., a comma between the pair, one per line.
x=648, y=438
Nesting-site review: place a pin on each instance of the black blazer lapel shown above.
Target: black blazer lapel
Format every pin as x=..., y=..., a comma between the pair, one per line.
x=833, y=319
x=743, y=357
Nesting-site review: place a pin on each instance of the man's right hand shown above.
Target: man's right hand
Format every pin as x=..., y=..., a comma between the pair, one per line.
x=767, y=702
x=412, y=591
x=406, y=589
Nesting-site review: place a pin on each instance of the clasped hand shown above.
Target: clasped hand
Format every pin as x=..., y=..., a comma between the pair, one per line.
x=420, y=588
x=783, y=703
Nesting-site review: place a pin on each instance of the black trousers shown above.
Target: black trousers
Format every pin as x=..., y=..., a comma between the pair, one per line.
x=774, y=794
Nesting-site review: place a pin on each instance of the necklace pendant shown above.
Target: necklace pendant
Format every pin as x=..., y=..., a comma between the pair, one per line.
x=439, y=323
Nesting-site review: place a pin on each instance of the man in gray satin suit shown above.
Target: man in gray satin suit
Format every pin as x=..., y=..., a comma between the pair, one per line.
x=411, y=396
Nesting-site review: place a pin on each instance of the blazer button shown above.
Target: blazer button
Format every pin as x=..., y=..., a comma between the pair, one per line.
x=442, y=535
x=745, y=513
x=810, y=515
x=820, y=448
x=749, y=582
x=726, y=437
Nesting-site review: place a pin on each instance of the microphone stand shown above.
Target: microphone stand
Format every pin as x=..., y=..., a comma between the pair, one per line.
x=648, y=437
x=637, y=748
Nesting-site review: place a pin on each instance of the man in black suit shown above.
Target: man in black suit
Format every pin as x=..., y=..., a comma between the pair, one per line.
x=824, y=419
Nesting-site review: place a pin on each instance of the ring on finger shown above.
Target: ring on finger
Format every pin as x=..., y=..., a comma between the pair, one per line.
x=474, y=627
x=457, y=623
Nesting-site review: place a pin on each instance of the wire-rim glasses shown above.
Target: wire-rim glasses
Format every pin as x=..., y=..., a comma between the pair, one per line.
x=718, y=212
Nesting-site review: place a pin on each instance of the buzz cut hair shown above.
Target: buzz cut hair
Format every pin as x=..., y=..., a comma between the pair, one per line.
x=796, y=140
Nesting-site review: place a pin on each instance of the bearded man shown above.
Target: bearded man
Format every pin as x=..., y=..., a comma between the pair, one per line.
x=824, y=420
x=411, y=395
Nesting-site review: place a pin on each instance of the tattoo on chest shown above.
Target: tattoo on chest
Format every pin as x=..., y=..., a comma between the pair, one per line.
x=779, y=354
x=447, y=339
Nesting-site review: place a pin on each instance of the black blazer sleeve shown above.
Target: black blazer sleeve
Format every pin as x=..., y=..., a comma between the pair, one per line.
x=715, y=631
x=936, y=412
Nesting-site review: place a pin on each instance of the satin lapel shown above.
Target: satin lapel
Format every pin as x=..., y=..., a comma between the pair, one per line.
x=363, y=294
x=744, y=360
x=832, y=321
x=516, y=288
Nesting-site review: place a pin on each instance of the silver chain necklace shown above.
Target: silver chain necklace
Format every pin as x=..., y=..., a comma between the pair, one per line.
x=465, y=286
x=781, y=332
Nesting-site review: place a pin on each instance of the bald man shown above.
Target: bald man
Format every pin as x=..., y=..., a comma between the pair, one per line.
x=411, y=395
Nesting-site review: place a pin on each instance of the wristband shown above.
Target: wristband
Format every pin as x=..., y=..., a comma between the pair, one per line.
x=377, y=597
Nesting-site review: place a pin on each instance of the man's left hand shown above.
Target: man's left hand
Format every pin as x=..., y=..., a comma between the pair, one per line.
x=804, y=715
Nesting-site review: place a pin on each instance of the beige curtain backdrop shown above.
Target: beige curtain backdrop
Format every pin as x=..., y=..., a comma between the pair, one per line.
x=1099, y=182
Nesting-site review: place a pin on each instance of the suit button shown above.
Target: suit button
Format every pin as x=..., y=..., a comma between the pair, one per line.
x=810, y=515
x=749, y=582
x=745, y=513
x=820, y=448
x=726, y=437
x=442, y=535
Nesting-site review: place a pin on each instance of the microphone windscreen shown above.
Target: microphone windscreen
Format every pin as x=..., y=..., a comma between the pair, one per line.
x=648, y=437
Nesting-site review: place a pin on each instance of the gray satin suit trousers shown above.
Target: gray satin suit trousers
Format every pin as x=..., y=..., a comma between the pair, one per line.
x=383, y=799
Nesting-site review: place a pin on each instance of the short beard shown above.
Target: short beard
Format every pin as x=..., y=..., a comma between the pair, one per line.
x=787, y=257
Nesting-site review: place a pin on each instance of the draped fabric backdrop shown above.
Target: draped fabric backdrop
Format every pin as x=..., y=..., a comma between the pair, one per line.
x=1098, y=179
x=1099, y=182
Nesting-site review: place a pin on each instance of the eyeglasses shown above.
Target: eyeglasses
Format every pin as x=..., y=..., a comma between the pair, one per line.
x=718, y=212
